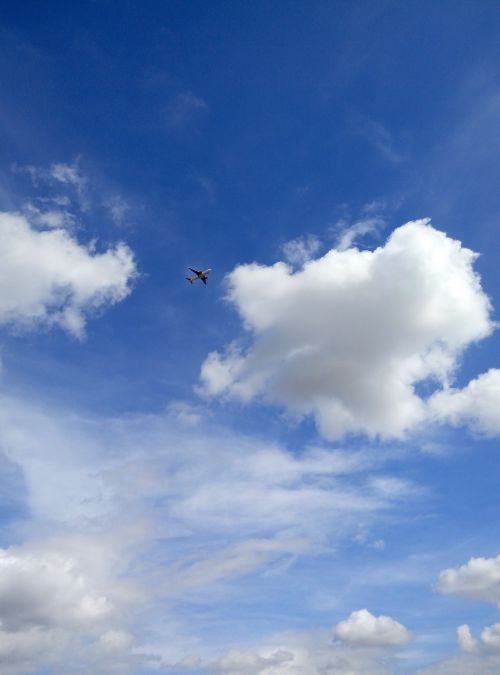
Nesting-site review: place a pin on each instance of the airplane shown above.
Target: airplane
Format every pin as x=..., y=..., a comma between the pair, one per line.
x=203, y=275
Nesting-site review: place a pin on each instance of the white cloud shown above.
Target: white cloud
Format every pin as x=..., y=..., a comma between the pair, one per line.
x=364, y=629
x=299, y=251
x=53, y=217
x=45, y=588
x=160, y=516
x=68, y=173
x=118, y=208
x=465, y=640
x=243, y=662
x=349, y=233
x=186, y=414
x=242, y=558
x=348, y=337
x=477, y=404
x=490, y=637
x=208, y=480
x=480, y=657
x=309, y=653
x=59, y=597
x=479, y=579
x=61, y=173
x=47, y=277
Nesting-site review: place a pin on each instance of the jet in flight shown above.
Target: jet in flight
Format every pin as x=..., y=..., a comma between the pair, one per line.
x=203, y=275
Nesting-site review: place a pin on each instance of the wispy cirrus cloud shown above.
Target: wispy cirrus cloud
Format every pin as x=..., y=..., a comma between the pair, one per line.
x=381, y=139
x=298, y=251
x=203, y=506
x=60, y=174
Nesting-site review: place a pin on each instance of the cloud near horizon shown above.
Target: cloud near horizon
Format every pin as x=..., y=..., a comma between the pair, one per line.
x=227, y=507
x=364, y=644
x=350, y=336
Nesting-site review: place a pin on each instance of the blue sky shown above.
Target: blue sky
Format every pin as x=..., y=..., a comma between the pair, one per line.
x=292, y=470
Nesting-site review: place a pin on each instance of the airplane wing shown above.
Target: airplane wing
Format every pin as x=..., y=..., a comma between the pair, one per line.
x=195, y=271
x=204, y=280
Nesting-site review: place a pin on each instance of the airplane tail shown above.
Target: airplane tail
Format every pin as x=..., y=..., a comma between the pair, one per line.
x=190, y=279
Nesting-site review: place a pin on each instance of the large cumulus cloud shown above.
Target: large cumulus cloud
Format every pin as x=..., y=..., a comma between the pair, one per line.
x=348, y=337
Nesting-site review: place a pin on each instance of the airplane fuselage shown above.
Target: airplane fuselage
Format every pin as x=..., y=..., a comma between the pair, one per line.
x=200, y=274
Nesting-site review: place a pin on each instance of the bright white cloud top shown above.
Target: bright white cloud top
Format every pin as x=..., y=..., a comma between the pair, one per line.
x=349, y=336
x=47, y=277
x=478, y=579
x=364, y=629
x=477, y=404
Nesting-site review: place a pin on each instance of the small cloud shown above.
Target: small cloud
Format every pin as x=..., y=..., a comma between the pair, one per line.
x=375, y=206
x=478, y=579
x=465, y=640
x=299, y=251
x=67, y=173
x=52, y=218
x=118, y=208
x=348, y=234
x=488, y=642
x=185, y=414
x=52, y=279
x=378, y=545
x=71, y=174
x=476, y=405
x=183, y=109
x=364, y=629
x=59, y=173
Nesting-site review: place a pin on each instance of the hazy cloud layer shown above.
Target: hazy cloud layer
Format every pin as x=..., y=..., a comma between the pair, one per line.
x=349, y=336
x=205, y=507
